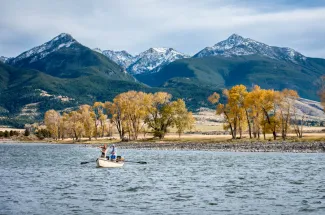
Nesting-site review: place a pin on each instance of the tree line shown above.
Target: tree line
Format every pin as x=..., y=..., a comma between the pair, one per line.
x=259, y=111
x=131, y=113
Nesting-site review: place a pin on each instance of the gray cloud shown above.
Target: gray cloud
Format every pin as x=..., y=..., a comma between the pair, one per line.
x=187, y=25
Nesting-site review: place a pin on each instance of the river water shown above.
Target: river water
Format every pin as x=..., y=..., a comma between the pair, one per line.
x=49, y=179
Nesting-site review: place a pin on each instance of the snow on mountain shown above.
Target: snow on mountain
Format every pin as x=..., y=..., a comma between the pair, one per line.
x=61, y=41
x=148, y=61
x=153, y=59
x=3, y=59
x=122, y=58
x=236, y=45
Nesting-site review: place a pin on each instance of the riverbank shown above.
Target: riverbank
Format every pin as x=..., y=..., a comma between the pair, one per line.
x=307, y=145
x=276, y=146
x=223, y=143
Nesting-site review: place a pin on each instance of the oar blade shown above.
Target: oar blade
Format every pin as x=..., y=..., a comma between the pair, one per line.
x=84, y=162
x=138, y=162
x=142, y=162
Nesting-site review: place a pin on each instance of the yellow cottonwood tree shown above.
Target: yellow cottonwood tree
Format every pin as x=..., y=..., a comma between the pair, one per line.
x=52, y=122
x=269, y=102
x=98, y=109
x=183, y=118
x=214, y=98
x=286, y=106
x=76, y=125
x=234, y=109
x=253, y=111
x=160, y=113
x=134, y=106
x=65, y=126
x=88, y=120
x=115, y=109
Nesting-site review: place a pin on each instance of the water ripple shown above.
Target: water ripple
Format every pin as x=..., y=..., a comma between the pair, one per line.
x=48, y=179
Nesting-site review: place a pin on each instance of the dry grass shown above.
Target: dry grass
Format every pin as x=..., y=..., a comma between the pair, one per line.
x=208, y=128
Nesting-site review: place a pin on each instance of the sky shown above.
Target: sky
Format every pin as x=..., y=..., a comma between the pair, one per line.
x=186, y=25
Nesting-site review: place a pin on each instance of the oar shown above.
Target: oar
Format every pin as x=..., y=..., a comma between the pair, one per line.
x=85, y=162
x=139, y=162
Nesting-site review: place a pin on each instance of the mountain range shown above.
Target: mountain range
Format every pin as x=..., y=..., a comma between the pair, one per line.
x=239, y=60
x=149, y=61
x=62, y=73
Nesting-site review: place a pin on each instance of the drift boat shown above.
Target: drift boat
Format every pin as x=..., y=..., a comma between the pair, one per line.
x=103, y=162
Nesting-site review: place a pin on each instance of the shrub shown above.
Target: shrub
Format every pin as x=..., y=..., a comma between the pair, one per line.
x=6, y=133
x=43, y=133
x=27, y=132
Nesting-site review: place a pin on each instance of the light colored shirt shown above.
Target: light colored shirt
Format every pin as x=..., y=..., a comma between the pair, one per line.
x=113, y=152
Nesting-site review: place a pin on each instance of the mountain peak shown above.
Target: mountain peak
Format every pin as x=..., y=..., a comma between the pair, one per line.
x=235, y=37
x=159, y=49
x=63, y=35
x=236, y=45
x=63, y=40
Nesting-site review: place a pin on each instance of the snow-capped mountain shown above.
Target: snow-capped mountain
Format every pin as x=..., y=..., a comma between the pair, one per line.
x=236, y=45
x=122, y=58
x=61, y=41
x=153, y=59
x=3, y=59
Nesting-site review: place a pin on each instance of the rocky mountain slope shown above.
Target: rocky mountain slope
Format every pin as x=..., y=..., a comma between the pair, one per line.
x=153, y=59
x=122, y=58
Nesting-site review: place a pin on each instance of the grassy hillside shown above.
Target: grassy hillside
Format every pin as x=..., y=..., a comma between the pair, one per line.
x=220, y=72
x=21, y=87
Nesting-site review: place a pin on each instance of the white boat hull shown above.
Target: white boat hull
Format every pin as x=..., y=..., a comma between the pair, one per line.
x=103, y=162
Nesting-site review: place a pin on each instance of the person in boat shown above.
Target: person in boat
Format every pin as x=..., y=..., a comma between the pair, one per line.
x=104, y=150
x=113, y=152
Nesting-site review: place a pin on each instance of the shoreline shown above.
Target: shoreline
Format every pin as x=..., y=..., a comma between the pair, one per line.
x=294, y=147
x=310, y=146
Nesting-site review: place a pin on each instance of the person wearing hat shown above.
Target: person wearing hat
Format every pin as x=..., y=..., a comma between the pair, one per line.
x=113, y=152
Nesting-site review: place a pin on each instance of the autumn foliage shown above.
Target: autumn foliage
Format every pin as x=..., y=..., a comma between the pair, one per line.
x=259, y=111
x=131, y=113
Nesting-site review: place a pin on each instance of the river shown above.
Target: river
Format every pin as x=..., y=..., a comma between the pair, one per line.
x=49, y=179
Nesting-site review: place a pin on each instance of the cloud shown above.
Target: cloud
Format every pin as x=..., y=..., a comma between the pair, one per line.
x=187, y=25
